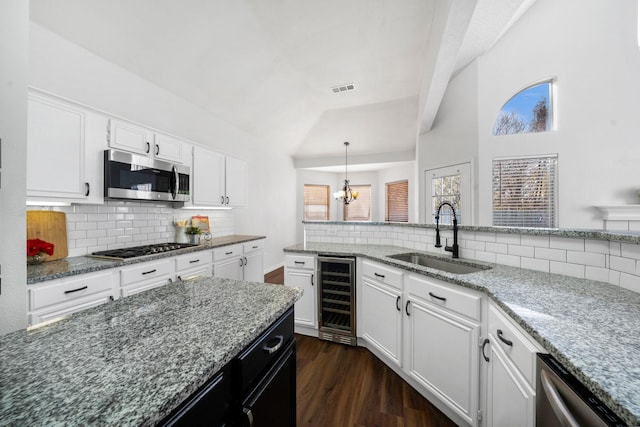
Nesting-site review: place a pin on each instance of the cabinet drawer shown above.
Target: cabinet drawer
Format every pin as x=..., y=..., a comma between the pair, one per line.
x=145, y=271
x=461, y=301
x=64, y=290
x=227, y=252
x=196, y=259
x=387, y=275
x=264, y=350
x=256, y=245
x=518, y=346
x=300, y=261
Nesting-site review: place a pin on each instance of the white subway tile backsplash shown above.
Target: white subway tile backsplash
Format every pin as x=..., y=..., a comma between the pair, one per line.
x=586, y=258
x=484, y=236
x=537, y=241
x=118, y=224
x=509, y=239
x=511, y=260
x=498, y=248
x=566, y=243
x=630, y=250
x=551, y=254
x=596, y=246
x=573, y=270
x=624, y=265
x=522, y=251
x=597, y=273
x=630, y=282
x=614, y=248
x=534, y=264
x=614, y=277
x=475, y=245
x=486, y=256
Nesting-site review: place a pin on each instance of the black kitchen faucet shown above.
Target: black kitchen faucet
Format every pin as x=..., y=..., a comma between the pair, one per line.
x=453, y=249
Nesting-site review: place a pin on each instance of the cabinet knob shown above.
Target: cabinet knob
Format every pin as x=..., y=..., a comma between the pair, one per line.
x=157, y=149
x=148, y=147
x=398, y=303
x=87, y=189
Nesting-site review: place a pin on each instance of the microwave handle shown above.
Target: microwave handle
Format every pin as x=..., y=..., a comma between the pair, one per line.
x=176, y=182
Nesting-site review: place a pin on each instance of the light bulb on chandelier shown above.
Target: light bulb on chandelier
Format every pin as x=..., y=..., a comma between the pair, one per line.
x=346, y=194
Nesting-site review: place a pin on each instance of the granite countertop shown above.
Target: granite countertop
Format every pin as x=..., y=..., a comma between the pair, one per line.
x=83, y=264
x=591, y=327
x=132, y=361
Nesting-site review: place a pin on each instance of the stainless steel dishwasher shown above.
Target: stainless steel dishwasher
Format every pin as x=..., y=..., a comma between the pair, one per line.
x=337, y=299
x=562, y=400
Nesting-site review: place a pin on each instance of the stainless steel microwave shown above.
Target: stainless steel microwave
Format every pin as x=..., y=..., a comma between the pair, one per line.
x=130, y=176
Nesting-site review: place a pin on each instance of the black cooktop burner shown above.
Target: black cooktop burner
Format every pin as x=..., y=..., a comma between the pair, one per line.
x=137, y=251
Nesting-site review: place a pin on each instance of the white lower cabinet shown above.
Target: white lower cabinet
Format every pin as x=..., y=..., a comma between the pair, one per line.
x=442, y=352
x=299, y=271
x=144, y=276
x=381, y=310
x=240, y=262
x=196, y=264
x=59, y=297
x=511, y=395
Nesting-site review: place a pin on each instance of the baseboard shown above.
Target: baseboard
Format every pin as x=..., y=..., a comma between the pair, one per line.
x=273, y=268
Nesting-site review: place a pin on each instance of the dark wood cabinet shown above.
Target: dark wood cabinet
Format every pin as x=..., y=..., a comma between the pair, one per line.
x=257, y=388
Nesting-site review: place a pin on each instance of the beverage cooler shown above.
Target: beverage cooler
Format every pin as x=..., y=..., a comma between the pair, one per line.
x=337, y=299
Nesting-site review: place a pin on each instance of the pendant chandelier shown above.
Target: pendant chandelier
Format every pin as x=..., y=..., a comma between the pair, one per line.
x=346, y=194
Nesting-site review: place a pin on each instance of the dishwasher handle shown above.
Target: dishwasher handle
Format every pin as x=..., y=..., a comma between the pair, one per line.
x=557, y=404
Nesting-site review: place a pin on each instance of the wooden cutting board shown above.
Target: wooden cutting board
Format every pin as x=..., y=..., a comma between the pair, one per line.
x=51, y=227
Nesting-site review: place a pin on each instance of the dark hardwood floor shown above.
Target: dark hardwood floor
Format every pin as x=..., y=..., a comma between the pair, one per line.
x=338, y=385
x=342, y=386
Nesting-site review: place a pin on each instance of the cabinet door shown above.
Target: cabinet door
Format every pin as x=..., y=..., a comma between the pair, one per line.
x=236, y=182
x=306, y=307
x=130, y=137
x=208, y=177
x=229, y=269
x=510, y=399
x=56, y=135
x=253, y=267
x=168, y=148
x=442, y=351
x=382, y=319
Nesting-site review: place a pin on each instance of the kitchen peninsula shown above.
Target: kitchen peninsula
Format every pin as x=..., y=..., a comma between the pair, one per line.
x=134, y=360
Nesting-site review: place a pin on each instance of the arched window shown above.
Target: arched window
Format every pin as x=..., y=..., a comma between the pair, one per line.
x=528, y=111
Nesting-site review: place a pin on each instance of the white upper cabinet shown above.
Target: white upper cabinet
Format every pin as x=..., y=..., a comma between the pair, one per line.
x=169, y=148
x=218, y=180
x=64, y=151
x=137, y=139
x=236, y=182
x=208, y=177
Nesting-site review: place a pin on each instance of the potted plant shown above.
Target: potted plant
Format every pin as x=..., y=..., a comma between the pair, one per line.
x=193, y=232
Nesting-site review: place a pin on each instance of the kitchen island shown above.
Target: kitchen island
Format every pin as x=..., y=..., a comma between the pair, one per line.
x=134, y=360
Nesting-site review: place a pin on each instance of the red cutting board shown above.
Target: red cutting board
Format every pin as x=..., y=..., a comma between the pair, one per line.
x=51, y=227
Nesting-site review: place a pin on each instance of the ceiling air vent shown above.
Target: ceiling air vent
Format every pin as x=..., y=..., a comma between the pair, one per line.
x=343, y=88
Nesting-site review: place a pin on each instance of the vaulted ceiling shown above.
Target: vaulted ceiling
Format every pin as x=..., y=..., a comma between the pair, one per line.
x=269, y=66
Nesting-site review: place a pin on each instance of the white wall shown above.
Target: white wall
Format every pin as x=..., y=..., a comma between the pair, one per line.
x=65, y=69
x=590, y=47
x=454, y=136
x=14, y=36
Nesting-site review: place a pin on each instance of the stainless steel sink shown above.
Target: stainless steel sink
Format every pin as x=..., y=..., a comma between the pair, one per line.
x=438, y=264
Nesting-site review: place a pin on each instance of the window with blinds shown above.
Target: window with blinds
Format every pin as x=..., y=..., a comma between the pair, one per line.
x=360, y=209
x=397, y=206
x=316, y=202
x=525, y=192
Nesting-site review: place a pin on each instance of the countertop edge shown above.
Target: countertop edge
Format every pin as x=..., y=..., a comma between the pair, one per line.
x=105, y=264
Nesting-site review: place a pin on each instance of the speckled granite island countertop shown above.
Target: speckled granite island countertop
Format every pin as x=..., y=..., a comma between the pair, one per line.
x=83, y=264
x=132, y=361
x=592, y=328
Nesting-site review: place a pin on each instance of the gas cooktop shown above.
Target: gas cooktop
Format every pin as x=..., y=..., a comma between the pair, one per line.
x=138, y=251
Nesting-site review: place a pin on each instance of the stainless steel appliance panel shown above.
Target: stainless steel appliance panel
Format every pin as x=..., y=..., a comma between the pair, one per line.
x=563, y=401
